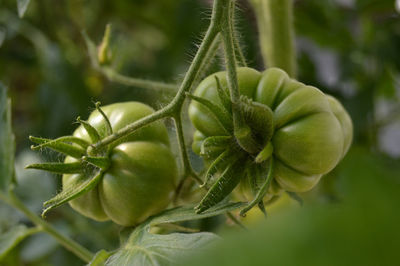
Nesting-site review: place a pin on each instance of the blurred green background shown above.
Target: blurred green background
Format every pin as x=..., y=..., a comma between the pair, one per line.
x=347, y=48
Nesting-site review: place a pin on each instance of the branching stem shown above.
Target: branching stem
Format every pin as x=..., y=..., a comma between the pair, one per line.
x=174, y=108
x=113, y=76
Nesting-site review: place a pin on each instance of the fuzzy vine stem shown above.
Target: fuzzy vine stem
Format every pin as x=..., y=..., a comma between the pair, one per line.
x=207, y=62
x=242, y=131
x=184, y=156
x=275, y=24
x=114, y=76
x=41, y=225
x=240, y=56
x=174, y=108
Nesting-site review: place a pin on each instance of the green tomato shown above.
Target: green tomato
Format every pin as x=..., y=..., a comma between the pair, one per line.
x=312, y=131
x=141, y=178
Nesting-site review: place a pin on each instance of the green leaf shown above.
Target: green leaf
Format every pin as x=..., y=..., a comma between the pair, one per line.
x=7, y=141
x=11, y=238
x=144, y=248
x=100, y=258
x=22, y=6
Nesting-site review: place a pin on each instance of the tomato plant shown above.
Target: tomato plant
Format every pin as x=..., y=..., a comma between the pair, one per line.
x=260, y=134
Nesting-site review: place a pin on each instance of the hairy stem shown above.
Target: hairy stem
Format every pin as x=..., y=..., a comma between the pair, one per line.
x=194, y=68
x=187, y=168
x=113, y=76
x=66, y=242
x=162, y=113
x=275, y=23
x=207, y=62
x=174, y=108
x=239, y=53
x=242, y=131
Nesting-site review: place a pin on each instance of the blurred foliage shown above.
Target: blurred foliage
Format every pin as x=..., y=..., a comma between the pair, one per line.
x=361, y=229
x=347, y=48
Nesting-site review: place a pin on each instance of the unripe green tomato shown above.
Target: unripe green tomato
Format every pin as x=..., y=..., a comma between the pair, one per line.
x=141, y=178
x=312, y=131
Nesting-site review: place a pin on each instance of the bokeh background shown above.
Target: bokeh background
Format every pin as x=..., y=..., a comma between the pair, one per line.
x=347, y=48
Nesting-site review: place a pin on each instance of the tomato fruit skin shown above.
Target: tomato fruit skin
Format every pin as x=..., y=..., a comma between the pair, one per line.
x=141, y=178
x=203, y=120
x=312, y=131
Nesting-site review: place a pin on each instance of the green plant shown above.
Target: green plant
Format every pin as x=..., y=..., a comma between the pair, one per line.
x=99, y=153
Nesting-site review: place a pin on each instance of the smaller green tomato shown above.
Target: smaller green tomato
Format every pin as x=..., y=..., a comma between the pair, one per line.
x=142, y=175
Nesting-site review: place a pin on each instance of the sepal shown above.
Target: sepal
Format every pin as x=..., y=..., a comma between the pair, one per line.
x=72, y=192
x=59, y=146
x=58, y=168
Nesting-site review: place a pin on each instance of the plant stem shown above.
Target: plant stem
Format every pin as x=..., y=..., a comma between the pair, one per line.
x=242, y=131
x=240, y=56
x=162, y=113
x=187, y=168
x=113, y=76
x=275, y=23
x=68, y=243
x=207, y=60
x=194, y=68
x=174, y=108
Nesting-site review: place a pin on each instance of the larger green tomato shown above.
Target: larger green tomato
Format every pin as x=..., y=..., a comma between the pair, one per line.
x=141, y=178
x=312, y=131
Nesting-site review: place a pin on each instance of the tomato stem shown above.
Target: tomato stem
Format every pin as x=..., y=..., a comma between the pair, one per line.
x=238, y=51
x=114, y=76
x=241, y=130
x=275, y=24
x=66, y=242
x=174, y=108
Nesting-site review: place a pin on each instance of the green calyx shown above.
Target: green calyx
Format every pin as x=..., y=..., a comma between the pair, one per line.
x=119, y=181
x=87, y=161
x=258, y=125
